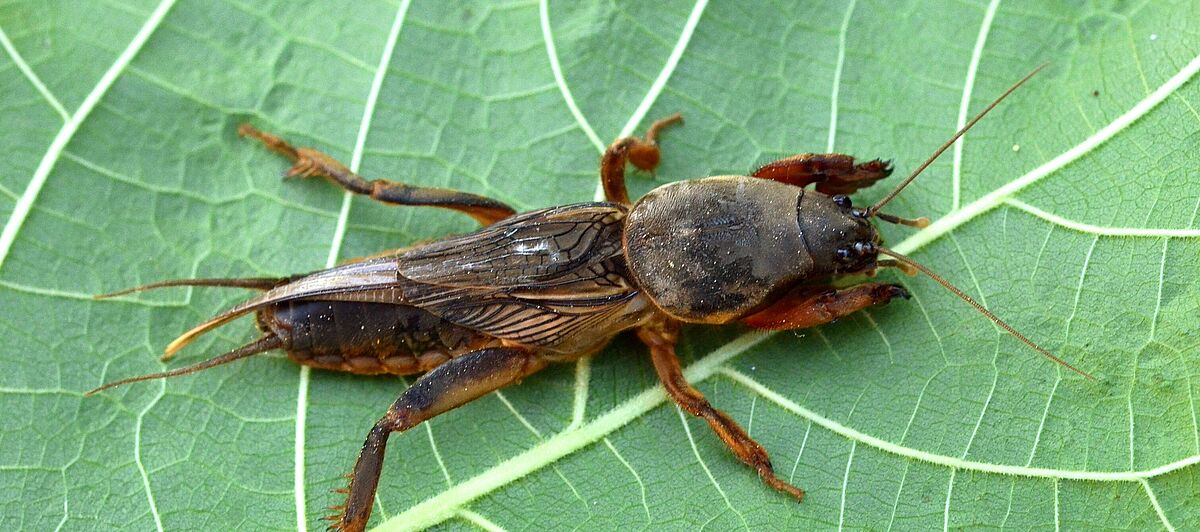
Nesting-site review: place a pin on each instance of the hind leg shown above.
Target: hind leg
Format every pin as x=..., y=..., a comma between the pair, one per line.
x=449, y=386
x=308, y=162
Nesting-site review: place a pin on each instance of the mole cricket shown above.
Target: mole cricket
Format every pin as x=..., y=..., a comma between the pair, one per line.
x=483, y=310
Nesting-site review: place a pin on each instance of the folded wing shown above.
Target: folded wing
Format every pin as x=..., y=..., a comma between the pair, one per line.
x=541, y=278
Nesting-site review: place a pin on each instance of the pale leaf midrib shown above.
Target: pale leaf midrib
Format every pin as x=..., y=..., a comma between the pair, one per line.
x=972, y=210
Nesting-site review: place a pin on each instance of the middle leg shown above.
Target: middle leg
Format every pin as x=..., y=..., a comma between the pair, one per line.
x=642, y=153
x=661, y=337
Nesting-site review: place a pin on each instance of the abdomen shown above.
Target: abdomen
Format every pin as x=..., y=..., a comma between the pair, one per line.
x=366, y=338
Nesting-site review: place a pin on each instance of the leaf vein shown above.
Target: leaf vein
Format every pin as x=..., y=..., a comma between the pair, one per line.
x=845, y=485
x=480, y=521
x=583, y=376
x=837, y=75
x=685, y=37
x=1101, y=230
x=989, y=201
x=965, y=104
x=636, y=476
x=899, y=491
x=700, y=460
x=67, y=132
x=949, y=495
x=560, y=80
x=32, y=76
x=1158, y=509
x=951, y=461
x=137, y=455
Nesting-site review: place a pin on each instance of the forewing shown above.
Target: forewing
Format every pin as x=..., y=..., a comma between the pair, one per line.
x=524, y=250
x=537, y=278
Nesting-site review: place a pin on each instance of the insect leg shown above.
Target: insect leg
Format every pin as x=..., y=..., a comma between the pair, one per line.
x=812, y=307
x=833, y=173
x=453, y=384
x=661, y=338
x=642, y=153
x=308, y=162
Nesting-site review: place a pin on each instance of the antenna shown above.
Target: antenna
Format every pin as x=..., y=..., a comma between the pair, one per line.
x=874, y=210
x=999, y=322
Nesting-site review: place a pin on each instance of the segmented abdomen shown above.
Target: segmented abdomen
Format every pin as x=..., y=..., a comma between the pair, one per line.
x=366, y=338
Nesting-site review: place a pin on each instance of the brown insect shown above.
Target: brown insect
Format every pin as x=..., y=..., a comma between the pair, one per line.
x=480, y=311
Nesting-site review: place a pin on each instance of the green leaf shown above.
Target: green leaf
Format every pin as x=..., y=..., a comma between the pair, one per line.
x=1071, y=212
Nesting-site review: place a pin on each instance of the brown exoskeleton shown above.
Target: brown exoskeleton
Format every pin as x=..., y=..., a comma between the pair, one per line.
x=480, y=311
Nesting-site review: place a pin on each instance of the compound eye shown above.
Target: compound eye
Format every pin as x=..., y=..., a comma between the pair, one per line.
x=864, y=248
x=842, y=200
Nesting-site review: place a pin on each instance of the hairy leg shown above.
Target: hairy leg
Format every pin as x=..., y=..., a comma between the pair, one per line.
x=817, y=306
x=451, y=385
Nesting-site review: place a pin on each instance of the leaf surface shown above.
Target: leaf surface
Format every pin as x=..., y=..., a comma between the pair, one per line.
x=1071, y=212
